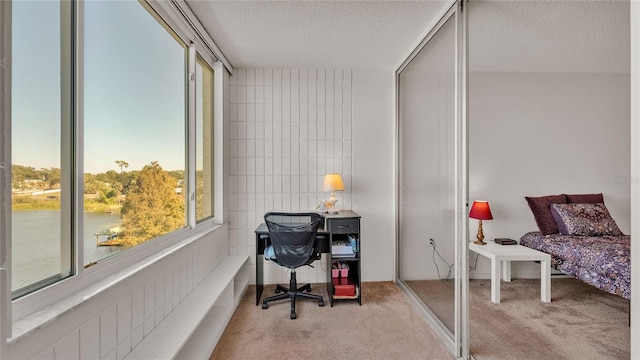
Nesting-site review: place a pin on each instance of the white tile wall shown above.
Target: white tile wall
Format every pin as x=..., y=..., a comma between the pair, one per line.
x=68, y=348
x=108, y=333
x=110, y=325
x=89, y=346
x=288, y=128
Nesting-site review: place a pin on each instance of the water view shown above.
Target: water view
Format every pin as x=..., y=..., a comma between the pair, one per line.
x=36, y=243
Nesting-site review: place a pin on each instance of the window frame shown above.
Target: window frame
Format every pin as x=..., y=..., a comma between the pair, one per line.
x=82, y=266
x=66, y=125
x=5, y=175
x=174, y=21
x=211, y=153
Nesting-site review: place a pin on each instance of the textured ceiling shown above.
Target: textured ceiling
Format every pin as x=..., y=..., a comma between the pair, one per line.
x=549, y=36
x=375, y=34
x=528, y=36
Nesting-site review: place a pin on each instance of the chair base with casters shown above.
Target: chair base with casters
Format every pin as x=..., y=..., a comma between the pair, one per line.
x=292, y=295
x=293, y=244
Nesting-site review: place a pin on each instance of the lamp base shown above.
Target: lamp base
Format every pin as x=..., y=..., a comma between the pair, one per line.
x=480, y=236
x=331, y=205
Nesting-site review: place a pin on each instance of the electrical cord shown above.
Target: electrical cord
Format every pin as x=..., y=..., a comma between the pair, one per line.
x=448, y=277
x=433, y=255
x=475, y=264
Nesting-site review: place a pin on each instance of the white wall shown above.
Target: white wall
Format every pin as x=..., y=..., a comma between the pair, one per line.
x=534, y=134
x=373, y=170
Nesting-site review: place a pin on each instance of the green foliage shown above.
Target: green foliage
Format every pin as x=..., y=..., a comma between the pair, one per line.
x=110, y=176
x=91, y=184
x=202, y=201
x=152, y=207
x=20, y=173
x=109, y=186
x=51, y=176
x=92, y=205
x=34, y=203
x=127, y=179
x=199, y=205
x=107, y=196
x=178, y=175
x=28, y=178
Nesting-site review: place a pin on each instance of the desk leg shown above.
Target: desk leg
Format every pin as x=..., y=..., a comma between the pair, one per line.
x=259, y=270
x=506, y=270
x=495, y=281
x=259, y=277
x=545, y=281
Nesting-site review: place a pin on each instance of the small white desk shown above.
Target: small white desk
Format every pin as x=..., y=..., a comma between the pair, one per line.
x=505, y=254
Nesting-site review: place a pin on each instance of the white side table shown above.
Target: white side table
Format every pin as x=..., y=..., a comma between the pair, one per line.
x=505, y=254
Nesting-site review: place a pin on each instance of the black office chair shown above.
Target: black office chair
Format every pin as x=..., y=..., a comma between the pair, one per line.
x=293, y=240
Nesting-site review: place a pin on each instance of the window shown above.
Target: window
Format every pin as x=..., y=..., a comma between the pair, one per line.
x=40, y=194
x=134, y=129
x=101, y=141
x=204, y=140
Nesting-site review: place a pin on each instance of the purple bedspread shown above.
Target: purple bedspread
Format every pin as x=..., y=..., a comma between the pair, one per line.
x=601, y=261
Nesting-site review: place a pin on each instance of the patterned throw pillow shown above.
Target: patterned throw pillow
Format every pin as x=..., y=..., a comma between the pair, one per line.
x=584, y=220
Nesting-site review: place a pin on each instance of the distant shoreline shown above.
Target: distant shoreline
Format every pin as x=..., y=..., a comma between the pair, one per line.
x=31, y=203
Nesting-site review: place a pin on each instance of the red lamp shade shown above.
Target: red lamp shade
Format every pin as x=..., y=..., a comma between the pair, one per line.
x=480, y=210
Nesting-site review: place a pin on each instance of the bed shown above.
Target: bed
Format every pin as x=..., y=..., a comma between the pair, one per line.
x=600, y=261
x=583, y=240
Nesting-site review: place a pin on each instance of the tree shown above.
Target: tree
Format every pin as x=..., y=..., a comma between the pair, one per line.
x=152, y=207
x=111, y=176
x=91, y=184
x=117, y=186
x=52, y=176
x=122, y=164
x=127, y=179
x=19, y=174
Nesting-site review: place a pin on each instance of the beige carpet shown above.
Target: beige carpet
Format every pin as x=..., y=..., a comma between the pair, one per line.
x=386, y=326
x=581, y=322
x=439, y=295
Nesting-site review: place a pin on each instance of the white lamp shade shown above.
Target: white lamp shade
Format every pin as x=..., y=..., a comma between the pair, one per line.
x=332, y=182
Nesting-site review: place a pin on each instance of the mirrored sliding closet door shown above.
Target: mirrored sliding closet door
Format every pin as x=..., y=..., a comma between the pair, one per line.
x=431, y=173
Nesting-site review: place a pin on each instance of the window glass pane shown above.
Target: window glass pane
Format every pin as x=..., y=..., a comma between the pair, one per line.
x=134, y=128
x=204, y=140
x=40, y=240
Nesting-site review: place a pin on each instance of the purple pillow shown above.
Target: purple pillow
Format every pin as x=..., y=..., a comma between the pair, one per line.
x=584, y=220
x=585, y=198
x=542, y=214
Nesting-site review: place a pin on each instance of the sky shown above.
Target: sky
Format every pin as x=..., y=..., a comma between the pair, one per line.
x=134, y=90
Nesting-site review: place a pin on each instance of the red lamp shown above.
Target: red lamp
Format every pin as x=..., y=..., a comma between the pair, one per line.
x=480, y=210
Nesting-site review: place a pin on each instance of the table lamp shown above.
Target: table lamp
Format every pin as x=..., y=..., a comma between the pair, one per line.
x=333, y=183
x=480, y=210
